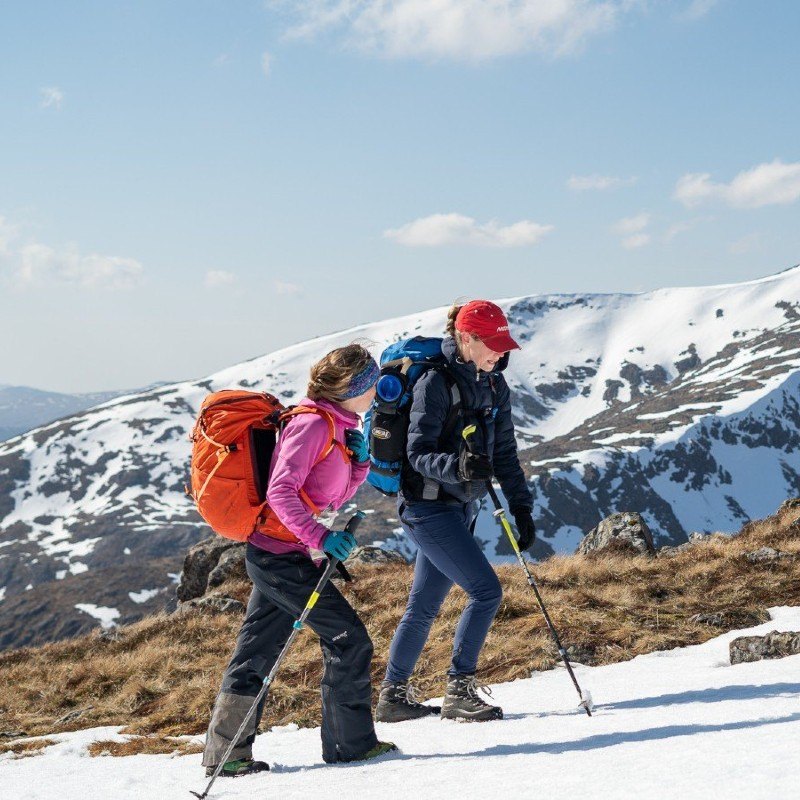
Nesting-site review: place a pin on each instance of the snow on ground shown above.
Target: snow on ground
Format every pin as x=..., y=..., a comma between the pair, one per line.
x=107, y=616
x=677, y=724
x=144, y=595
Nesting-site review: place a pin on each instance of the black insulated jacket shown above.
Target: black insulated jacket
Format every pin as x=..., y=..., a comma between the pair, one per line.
x=431, y=472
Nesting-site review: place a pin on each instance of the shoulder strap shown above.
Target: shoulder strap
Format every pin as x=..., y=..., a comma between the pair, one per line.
x=456, y=407
x=295, y=411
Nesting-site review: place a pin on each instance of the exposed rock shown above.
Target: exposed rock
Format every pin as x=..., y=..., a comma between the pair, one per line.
x=375, y=555
x=791, y=503
x=581, y=654
x=197, y=566
x=766, y=555
x=12, y=734
x=213, y=603
x=773, y=645
x=670, y=552
x=231, y=564
x=73, y=715
x=624, y=531
x=716, y=620
x=729, y=620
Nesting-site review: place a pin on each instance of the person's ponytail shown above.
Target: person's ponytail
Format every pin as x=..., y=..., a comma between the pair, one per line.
x=451, y=319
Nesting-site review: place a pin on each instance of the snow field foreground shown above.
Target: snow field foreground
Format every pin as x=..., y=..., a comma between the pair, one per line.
x=676, y=724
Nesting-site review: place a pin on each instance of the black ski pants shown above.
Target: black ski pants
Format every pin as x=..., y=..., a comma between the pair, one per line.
x=282, y=585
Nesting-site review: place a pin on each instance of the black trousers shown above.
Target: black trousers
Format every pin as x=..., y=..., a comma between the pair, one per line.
x=282, y=585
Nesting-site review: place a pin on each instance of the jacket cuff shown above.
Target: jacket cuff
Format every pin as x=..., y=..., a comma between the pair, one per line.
x=516, y=510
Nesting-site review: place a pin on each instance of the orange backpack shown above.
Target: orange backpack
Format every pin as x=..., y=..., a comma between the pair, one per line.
x=232, y=444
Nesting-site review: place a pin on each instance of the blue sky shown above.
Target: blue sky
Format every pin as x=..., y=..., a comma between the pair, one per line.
x=187, y=185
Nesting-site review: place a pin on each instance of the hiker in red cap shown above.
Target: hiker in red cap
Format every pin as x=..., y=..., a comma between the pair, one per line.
x=442, y=483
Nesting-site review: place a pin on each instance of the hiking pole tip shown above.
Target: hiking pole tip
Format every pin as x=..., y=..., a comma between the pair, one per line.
x=587, y=704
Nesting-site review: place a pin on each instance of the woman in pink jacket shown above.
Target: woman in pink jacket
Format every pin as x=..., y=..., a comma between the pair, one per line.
x=319, y=462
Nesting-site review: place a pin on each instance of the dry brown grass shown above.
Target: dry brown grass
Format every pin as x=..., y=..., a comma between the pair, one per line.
x=160, y=678
x=26, y=748
x=151, y=745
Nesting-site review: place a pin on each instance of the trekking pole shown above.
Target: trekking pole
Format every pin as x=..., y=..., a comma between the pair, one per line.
x=585, y=696
x=351, y=527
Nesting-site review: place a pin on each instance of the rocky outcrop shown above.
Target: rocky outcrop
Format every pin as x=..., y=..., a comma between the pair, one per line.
x=670, y=552
x=375, y=555
x=773, y=645
x=199, y=563
x=213, y=603
x=230, y=565
x=728, y=619
x=625, y=532
x=766, y=555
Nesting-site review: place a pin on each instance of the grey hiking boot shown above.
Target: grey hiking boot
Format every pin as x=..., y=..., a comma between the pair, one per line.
x=398, y=702
x=462, y=701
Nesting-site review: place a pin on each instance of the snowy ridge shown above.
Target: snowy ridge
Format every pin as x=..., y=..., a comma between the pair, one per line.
x=657, y=402
x=681, y=723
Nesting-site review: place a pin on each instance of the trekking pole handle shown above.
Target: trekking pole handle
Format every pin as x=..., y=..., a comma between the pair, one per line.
x=467, y=433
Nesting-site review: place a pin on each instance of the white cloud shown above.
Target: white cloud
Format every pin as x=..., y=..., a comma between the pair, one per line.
x=745, y=244
x=266, y=63
x=677, y=229
x=635, y=224
x=446, y=229
x=32, y=264
x=697, y=9
x=635, y=241
x=41, y=265
x=218, y=277
x=632, y=230
x=459, y=29
x=285, y=288
x=584, y=183
x=51, y=97
x=221, y=60
x=774, y=183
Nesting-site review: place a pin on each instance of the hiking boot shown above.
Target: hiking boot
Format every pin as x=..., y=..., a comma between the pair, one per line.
x=462, y=701
x=380, y=749
x=398, y=702
x=239, y=767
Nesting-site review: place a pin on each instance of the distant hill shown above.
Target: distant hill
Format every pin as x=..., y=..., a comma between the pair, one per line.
x=22, y=408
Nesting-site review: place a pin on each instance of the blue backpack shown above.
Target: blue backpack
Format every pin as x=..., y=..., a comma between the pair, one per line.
x=386, y=423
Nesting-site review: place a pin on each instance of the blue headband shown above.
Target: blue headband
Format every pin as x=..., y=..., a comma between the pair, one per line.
x=365, y=379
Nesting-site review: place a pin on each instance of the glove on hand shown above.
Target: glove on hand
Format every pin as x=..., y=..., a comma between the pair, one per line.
x=355, y=442
x=339, y=544
x=473, y=466
x=525, y=527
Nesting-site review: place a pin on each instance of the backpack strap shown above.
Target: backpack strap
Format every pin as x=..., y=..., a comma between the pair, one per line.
x=456, y=409
x=294, y=411
x=223, y=451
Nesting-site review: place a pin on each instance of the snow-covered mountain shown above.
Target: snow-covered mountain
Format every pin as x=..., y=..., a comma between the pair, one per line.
x=679, y=403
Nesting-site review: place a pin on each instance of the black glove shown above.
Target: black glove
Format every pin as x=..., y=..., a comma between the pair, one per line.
x=525, y=527
x=473, y=466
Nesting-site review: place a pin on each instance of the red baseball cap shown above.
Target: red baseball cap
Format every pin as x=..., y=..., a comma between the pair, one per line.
x=488, y=323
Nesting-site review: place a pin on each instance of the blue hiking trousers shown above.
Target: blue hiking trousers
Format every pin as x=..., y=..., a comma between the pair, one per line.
x=448, y=554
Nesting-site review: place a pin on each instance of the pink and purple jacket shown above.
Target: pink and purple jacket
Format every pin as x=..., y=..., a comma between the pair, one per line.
x=329, y=484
